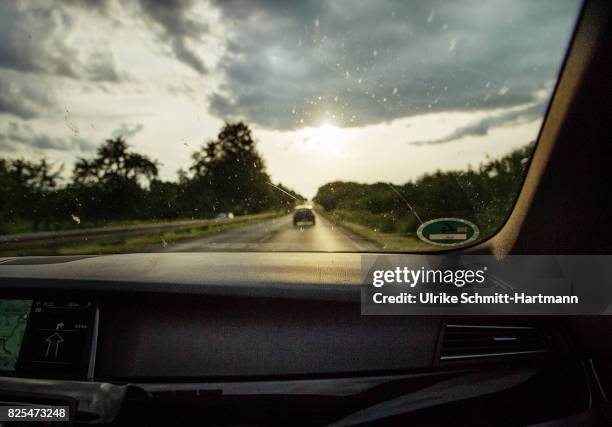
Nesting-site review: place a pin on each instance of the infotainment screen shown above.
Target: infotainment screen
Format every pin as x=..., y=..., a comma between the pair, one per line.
x=14, y=315
x=46, y=337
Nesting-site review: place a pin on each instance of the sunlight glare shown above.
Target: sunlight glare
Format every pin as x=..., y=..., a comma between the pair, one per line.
x=325, y=139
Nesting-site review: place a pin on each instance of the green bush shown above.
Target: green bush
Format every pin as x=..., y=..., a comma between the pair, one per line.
x=484, y=196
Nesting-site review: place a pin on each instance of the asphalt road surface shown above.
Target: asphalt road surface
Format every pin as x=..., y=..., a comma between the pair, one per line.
x=279, y=235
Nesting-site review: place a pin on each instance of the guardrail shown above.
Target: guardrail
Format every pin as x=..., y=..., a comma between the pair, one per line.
x=53, y=238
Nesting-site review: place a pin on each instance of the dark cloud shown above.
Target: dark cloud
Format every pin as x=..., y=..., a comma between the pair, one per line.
x=127, y=131
x=23, y=97
x=20, y=135
x=287, y=65
x=482, y=127
x=178, y=28
x=292, y=64
x=34, y=39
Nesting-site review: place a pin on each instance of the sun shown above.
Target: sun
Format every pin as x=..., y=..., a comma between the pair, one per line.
x=325, y=133
x=325, y=139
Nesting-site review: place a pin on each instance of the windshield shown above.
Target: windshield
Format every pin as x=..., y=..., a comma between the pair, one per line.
x=234, y=126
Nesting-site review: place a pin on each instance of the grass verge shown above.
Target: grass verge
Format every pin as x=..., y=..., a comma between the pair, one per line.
x=388, y=242
x=131, y=244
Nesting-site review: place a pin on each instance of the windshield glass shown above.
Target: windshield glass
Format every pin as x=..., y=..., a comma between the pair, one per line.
x=269, y=126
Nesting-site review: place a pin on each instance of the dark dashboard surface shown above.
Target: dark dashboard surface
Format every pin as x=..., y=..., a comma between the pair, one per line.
x=290, y=275
x=231, y=324
x=191, y=316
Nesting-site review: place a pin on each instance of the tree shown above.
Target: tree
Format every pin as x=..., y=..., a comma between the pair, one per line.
x=25, y=188
x=485, y=196
x=163, y=200
x=227, y=174
x=230, y=173
x=114, y=160
x=109, y=186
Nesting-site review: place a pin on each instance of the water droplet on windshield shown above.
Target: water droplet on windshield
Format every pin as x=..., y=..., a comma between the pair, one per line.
x=504, y=90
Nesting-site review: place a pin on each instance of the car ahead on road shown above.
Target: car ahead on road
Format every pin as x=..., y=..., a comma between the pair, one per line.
x=303, y=214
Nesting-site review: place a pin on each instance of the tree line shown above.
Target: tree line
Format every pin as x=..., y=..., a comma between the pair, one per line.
x=227, y=174
x=484, y=195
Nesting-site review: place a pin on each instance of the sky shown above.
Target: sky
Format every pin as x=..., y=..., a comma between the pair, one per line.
x=365, y=91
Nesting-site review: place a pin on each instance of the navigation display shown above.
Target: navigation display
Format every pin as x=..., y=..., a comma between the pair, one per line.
x=13, y=320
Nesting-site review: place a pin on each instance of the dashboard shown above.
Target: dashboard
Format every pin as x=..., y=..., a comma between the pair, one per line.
x=115, y=340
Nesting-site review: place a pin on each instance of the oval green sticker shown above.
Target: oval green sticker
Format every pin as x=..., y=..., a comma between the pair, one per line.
x=448, y=231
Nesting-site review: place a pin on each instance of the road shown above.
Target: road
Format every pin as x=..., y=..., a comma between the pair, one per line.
x=277, y=235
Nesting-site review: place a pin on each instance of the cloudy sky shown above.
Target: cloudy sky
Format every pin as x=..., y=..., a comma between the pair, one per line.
x=365, y=91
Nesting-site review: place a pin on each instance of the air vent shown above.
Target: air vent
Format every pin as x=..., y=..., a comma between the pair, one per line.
x=463, y=341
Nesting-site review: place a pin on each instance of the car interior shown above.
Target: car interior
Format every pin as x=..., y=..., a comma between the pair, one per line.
x=278, y=338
